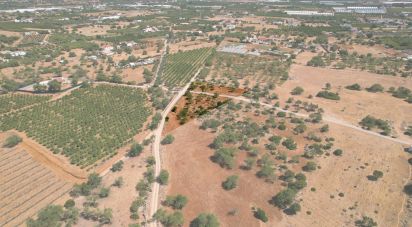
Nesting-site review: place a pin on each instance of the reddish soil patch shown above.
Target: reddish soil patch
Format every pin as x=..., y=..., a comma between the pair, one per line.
x=219, y=89
x=199, y=102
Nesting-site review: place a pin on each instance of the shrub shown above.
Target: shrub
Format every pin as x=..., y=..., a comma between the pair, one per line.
x=316, y=61
x=300, y=128
x=275, y=139
x=12, y=141
x=282, y=126
x=267, y=171
x=136, y=204
x=401, y=92
x=163, y=177
x=338, y=152
x=205, y=220
x=324, y=128
x=69, y=203
x=155, y=121
x=408, y=131
x=355, y=87
x=375, y=175
x=370, y=122
x=365, y=222
x=118, y=182
x=375, y=88
x=408, y=189
x=49, y=216
x=310, y=166
x=169, y=220
x=297, y=91
x=284, y=198
x=135, y=150
x=293, y=209
x=289, y=143
x=249, y=163
x=230, y=182
x=94, y=180
x=176, y=202
x=54, y=86
x=224, y=157
x=118, y=166
x=168, y=139
x=260, y=214
x=150, y=161
x=328, y=95
x=281, y=114
x=104, y=192
x=298, y=183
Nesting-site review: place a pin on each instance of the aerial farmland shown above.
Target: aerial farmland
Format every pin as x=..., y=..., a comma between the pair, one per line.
x=205, y=113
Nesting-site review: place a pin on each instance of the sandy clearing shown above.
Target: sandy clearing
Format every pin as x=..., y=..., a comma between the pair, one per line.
x=190, y=45
x=354, y=105
x=135, y=74
x=195, y=176
x=93, y=30
x=376, y=50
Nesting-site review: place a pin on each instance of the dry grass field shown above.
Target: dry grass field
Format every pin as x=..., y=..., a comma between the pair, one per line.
x=195, y=176
x=354, y=105
x=381, y=200
x=190, y=45
x=93, y=30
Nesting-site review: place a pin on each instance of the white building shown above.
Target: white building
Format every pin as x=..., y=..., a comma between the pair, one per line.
x=27, y=20
x=107, y=50
x=231, y=26
x=110, y=18
x=150, y=29
x=360, y=9
x=14, y=53
x=307, y=13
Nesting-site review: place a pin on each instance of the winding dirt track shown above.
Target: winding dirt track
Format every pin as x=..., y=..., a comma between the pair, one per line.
x=154, y=200
x=325, y=118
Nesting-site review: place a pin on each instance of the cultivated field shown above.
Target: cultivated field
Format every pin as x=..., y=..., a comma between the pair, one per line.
x=13, y=102
x=88, y=125
x=27, y=185
x=180, y=67
x=247, y=71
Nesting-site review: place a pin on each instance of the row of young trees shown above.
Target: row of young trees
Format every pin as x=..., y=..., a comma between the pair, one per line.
x=11, y=102
x=87, y=125
x=181, y=66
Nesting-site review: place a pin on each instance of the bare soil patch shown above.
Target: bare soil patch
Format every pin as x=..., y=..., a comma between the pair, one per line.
x=193, y=174
x=199, y=102
x=354, y=105
x=190, y=45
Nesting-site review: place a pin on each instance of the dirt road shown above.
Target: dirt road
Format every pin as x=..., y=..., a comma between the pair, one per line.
x=160, y=63
x=325, y=118
x=154, y=200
